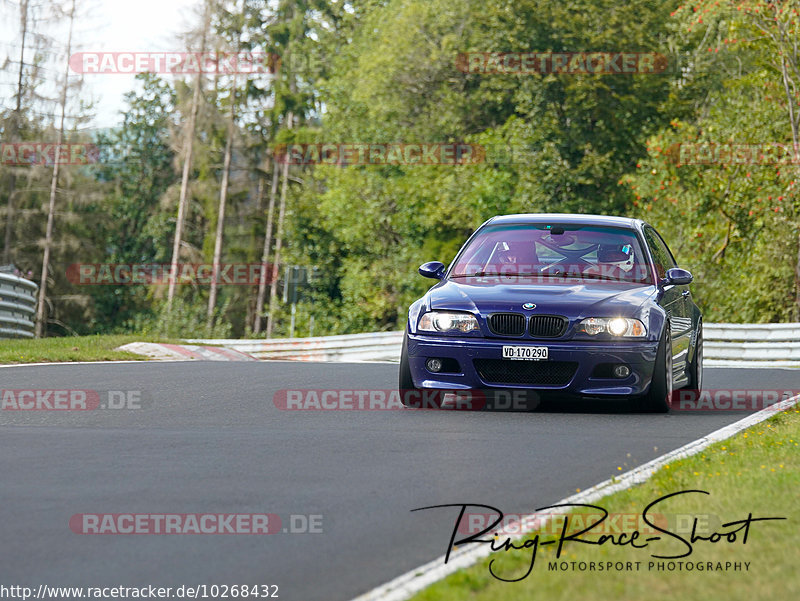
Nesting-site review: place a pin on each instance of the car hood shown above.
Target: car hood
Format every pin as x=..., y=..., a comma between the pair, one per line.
x=576, y=299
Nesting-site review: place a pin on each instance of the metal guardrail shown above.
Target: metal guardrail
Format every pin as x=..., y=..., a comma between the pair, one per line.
x=770, y=344
x=724, y=344
x=752, y=332
x=17, y=306
x=373, y=346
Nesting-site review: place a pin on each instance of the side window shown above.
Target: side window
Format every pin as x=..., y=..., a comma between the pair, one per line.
x=661, y=256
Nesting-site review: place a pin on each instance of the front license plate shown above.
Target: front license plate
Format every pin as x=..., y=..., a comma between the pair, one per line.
x=525, y=353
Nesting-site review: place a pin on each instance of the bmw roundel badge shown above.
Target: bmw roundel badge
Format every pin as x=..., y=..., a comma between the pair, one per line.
x=529, y=306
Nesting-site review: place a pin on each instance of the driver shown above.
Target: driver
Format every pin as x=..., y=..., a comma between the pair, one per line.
x=623, y=253
x=613, y=260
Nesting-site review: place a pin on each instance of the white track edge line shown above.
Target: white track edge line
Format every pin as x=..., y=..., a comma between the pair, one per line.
x=405, y=586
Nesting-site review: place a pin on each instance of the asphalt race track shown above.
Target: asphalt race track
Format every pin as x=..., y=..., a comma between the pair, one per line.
x=210, y=440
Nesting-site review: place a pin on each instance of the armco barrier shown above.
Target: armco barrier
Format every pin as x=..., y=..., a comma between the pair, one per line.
x=767, y=344
x=373, y=346
x=724, y=344
x=17, y=306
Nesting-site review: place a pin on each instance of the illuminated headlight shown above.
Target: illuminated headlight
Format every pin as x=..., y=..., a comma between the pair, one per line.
x=616, y=326
x=445, y=321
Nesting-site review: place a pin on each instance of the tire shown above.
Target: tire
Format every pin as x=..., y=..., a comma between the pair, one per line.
x=406, y=382
x=659, y=396
x=695, y=368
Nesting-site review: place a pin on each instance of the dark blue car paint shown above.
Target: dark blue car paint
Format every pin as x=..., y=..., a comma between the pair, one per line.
x=657, y=305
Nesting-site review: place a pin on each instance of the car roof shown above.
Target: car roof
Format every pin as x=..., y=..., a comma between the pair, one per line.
x=564, y=218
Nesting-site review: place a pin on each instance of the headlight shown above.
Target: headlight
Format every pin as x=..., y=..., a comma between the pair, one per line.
x=616, y=326
x=446, y=321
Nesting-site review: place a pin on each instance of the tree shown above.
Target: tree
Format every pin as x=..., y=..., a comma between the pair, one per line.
x=41, y=315
x=733, y=218
x=136, y=228
x=393, y=77
x=27, y=79
x=189, y=134
x=262, y=283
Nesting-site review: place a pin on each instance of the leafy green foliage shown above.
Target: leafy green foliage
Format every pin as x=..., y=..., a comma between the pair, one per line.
x=734, y=221
x=388, y=71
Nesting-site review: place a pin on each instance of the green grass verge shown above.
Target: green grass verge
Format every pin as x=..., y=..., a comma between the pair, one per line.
x=757, y=471
x=71, y=348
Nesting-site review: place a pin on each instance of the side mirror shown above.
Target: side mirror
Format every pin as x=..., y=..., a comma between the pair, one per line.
x=678, y=276
x=432, y=269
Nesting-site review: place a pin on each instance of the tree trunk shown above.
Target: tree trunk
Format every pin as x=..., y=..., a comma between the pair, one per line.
x=187, y=166
x=41, y=316
x=251, y=305
x=273, y=290
x=223, y=199
x=262, y=284
x=13, y=131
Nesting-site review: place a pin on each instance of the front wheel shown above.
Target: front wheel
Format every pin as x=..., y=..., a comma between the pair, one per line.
x=659, y=397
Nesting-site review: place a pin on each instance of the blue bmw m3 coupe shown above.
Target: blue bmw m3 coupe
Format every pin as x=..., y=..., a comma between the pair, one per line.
x=581, y=305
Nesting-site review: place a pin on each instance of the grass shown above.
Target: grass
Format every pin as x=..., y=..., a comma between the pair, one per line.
x=71, y=348
x=756, y=471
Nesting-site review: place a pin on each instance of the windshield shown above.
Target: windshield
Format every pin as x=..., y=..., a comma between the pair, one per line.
x=590, y=253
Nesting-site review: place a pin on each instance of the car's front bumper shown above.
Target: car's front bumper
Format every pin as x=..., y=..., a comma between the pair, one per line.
x=587, y=355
